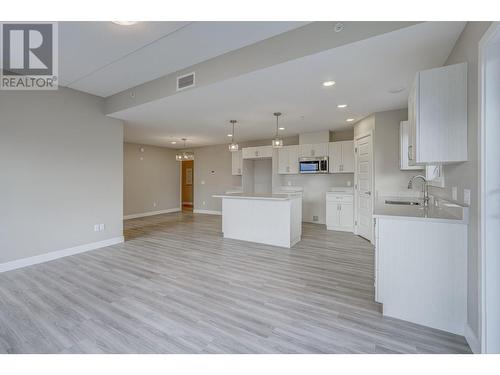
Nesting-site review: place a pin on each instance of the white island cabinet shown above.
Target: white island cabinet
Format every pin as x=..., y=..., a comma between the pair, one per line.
x=272, y=219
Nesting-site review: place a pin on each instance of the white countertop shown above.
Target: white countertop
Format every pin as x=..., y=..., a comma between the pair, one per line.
x=341, y=190
x=444, y=212
x=275, y=197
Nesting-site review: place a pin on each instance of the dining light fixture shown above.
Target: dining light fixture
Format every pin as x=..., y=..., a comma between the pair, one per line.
x=184, y=155
x=233, y=147
x=277, y=141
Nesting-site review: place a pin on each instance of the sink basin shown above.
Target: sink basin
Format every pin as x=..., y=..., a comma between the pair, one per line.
x=406, y=203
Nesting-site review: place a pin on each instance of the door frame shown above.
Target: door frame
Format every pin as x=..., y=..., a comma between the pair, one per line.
x=181, y=184
x=490, y=37
x=357, y=138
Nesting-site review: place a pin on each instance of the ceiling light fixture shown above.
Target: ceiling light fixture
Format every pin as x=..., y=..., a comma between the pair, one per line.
x=233, y=147
x=350, y=120
x=328, y=83
x=281, y=128
x=342, y=106
x=125, y=23
x=173, y=142
x=277, y=141
x=184, y=155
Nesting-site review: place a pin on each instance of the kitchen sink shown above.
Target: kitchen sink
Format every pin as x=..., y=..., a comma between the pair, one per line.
x=406, y=203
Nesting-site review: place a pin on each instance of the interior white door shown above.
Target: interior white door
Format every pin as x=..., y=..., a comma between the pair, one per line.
x=363, y=186
x=490, y=194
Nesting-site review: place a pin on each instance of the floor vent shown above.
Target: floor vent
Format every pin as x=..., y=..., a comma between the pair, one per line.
x=185, y=81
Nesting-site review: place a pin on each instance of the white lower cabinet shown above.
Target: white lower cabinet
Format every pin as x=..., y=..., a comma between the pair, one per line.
x=421, y=271
x=340, y=212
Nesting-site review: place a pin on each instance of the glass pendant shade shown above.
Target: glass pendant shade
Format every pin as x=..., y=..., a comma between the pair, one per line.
x=233, y=147
x=277, y=141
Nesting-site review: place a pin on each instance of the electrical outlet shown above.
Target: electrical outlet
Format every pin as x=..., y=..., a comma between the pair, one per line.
x=454, y=193
x=101, y=227
x=467, y=197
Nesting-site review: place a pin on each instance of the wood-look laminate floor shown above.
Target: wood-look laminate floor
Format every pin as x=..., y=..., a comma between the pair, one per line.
x=177, y=286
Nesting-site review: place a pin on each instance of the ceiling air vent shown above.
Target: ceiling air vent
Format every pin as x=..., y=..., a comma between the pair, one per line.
x=185, y=81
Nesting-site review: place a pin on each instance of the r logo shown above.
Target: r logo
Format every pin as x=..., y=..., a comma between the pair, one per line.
x=27, y=49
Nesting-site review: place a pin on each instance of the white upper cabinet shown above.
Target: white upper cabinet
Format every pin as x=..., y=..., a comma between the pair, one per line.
x=237, y=163
x=437, y=116
x=288, y=160
x=341, y=157
x=404, y=133
x=257, y=152
x=313, y=150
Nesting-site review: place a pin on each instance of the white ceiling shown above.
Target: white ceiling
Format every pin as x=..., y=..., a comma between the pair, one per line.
x=103, y=58
x=364, y=72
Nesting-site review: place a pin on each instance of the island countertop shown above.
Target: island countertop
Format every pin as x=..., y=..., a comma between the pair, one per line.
x=275, y=197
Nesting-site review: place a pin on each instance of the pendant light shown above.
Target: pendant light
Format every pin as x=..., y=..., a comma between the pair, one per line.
x=233, y=147
x=277, y=141
x=184, y=155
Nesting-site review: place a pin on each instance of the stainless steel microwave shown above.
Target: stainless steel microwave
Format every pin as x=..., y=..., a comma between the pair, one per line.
x=313, y=165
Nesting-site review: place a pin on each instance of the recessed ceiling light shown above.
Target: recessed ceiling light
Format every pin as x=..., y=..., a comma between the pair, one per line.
x=281, y=128
x=350, y=120
x=328, y=83
x=342, y=106
x=173, y=142
x=229, y=135
x=125, y=23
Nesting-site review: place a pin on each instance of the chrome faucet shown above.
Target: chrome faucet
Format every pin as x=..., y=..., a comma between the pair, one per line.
x=425, y=187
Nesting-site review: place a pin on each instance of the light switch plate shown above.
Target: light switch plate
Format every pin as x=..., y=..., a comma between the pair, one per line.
x=454, y=193
x=467, y=197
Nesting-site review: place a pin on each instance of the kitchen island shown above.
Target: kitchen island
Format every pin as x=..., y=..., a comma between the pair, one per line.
x=272, y=219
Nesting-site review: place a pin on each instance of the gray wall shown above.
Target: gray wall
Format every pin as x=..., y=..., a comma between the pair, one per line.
x=465, y=175
x=61, y=172
x=389, y=178
x=150, y=184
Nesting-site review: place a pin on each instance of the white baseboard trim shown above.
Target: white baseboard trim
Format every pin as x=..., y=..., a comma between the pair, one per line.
x=151, y=213
x=209, y=212
x=25, y=262
x=472, y=339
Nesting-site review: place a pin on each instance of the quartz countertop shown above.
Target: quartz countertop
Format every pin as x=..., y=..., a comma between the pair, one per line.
x=276, y=197
x=444, y=211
